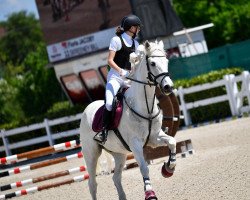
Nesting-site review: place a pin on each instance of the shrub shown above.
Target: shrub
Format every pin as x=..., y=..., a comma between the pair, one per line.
x=213, y=111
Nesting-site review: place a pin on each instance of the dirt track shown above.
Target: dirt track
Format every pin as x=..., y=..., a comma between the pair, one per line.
x=219, y=169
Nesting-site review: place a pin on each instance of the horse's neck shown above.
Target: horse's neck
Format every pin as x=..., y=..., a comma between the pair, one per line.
x=143, y=99
x=139, y=95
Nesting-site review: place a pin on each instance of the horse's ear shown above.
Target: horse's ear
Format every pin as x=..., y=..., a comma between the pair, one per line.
x=147, y=45
x=161, y=44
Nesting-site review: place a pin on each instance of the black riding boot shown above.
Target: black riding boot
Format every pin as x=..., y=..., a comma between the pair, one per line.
x=102, y=136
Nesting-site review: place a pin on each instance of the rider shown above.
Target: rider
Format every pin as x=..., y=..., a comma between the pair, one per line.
x=120, y=48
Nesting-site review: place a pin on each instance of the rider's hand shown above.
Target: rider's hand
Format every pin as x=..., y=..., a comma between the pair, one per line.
x=124, y=73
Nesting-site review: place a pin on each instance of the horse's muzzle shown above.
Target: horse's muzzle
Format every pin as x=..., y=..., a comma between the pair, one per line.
x=167, y=89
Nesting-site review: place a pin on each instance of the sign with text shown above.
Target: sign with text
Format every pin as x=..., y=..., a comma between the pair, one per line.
x=80, y=46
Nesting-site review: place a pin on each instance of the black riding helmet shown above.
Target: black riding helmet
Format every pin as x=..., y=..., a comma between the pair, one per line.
x=130, y=20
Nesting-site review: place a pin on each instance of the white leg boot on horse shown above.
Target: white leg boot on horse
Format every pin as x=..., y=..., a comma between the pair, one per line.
x=137, y=149
x=168, y=166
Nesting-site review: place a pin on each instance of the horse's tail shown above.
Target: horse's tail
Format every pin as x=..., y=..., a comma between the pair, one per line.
x=105, y=163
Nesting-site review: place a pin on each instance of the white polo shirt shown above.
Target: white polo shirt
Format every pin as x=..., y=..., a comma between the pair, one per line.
x=116, y=44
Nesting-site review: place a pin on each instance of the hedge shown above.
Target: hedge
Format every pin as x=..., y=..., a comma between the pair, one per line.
x=213, y=111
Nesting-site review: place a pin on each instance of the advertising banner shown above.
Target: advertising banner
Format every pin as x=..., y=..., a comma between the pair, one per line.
x=80, y=46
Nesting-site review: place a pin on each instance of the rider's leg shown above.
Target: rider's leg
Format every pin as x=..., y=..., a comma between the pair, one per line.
x=112, y=88
x=107, y=116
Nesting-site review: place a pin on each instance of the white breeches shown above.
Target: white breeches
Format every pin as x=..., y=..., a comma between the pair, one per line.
x=114, y=82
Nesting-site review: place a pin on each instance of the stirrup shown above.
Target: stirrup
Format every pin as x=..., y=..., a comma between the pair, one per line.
x=98, y=137
x=101, y=137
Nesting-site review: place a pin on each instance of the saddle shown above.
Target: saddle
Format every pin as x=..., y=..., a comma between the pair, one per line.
x=117, y=108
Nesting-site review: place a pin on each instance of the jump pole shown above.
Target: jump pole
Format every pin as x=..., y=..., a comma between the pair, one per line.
x=42, y=178
x=40, y=165
x=39, y=152
x=44, y=187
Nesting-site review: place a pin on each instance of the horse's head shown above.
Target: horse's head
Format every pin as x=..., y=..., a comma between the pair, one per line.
x=157, y=66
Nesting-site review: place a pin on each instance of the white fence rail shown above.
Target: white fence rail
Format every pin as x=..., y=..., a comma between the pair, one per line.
x=49, y=137
x=233, y=95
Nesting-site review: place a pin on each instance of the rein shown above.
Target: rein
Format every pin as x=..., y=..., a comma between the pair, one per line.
x=150, y=118
x=142, y=82
x=149, y=112
x=152, y=78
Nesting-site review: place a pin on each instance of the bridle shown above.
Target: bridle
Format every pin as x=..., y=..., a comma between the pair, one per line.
x=152, y=82
x=151, y=77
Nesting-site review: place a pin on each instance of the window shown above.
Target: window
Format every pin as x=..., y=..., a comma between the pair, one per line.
x=75, y=89
x=104, y=72
x=93, y=83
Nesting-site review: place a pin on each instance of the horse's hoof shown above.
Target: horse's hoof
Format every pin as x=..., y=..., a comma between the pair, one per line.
x=166, y=172
x=150, y=195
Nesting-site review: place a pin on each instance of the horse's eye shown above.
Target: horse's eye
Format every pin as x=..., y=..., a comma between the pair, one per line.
x=153, y=64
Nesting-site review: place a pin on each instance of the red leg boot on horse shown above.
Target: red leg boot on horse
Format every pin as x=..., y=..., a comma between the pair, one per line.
x=101, y=137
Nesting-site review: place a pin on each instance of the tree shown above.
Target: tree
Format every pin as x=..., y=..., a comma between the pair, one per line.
x=23, y=34
x=39, y=89
x=231, y=19
x=28, y=87
x=31, y=93
x=9, y=108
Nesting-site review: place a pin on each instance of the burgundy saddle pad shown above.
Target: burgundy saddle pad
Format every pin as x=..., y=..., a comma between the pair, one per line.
x=97, y=122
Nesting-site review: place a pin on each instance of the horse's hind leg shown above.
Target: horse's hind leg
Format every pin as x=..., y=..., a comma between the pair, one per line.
x=91, y=151
x=120, y=160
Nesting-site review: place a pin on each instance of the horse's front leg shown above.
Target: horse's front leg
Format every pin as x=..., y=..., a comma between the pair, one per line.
x=169, y=165
x=137, y=149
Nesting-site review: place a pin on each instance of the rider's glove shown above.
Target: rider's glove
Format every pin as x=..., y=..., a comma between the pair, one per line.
x=124, y=73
